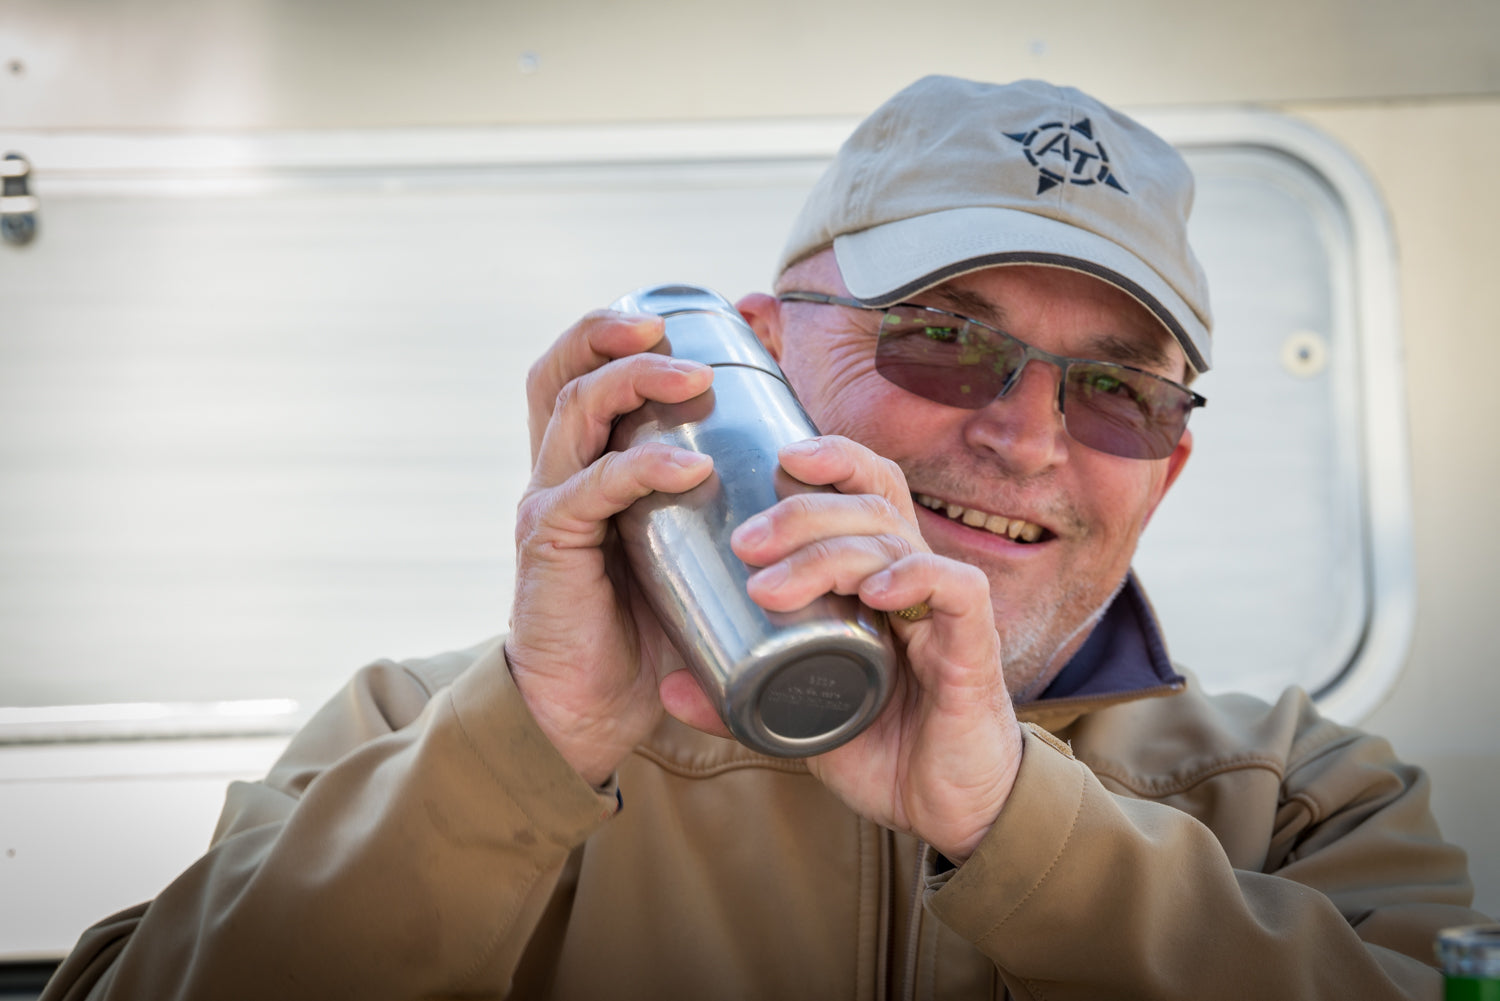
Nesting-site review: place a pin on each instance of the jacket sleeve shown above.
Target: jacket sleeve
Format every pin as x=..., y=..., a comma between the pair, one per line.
x=409, y=837
x=1078, y=892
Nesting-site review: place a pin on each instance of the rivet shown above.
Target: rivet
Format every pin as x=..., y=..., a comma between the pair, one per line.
x=1304, y=354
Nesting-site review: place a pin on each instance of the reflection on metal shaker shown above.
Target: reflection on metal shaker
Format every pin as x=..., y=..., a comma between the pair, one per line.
x=787, y=684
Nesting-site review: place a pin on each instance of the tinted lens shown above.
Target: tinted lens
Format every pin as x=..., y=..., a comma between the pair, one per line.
x=944, y=358
x=1124, y=412
x=959, y=363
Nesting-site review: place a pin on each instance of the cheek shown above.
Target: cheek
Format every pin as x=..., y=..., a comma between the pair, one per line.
x=867, y=410
x=841, y=392
x=1125, y=500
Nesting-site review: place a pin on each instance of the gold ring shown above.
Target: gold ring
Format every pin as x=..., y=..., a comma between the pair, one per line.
x=918, y=611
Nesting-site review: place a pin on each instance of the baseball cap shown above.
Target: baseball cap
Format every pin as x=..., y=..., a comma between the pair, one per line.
x=950, y=176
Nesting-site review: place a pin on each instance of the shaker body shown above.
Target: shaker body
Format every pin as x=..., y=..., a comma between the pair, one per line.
x=787, y=684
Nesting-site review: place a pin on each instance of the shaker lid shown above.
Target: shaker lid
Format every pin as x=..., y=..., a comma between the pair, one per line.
x=701, y=325
x=664, y=300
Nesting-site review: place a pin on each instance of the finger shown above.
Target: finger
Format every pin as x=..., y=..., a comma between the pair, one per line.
x=804, y=519
x=684, y=698
x=586, y=408
x=955, y=647
x=836, y=565
x=951, y=588
x=575, y=513
x=850, y=468
x=593, y=341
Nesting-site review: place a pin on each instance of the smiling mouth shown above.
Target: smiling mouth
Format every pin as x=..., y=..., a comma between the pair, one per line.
x=1011, y=528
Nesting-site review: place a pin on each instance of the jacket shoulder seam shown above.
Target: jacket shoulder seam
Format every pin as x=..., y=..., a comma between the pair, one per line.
x=676, y=767
x=1318, y=741
x=429, y=687
x=1172, y=785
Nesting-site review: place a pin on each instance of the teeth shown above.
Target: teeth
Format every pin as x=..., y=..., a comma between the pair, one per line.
x=1012, y=528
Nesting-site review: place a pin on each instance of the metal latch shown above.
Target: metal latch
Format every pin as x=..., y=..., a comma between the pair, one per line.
x=18, y=206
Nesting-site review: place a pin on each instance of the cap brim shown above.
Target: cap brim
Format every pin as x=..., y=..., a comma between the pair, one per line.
x=891, y=262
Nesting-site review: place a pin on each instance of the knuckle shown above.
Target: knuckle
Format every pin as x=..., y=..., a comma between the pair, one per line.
x=588, y=323
x=614, y=478
x=822, y=551
x=529, y=514
x=876, y=507
x=539, y=372
x=891, y=469
x=594, y=317
x=633, y=367
x=567, y=396
x=900, y=546
x=792, y=509
x=968, y=577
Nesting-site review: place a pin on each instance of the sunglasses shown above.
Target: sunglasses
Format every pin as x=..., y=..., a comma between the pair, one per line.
x=959, y=362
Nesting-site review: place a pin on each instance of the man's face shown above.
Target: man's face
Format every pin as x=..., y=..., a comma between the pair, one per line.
x=983, y=476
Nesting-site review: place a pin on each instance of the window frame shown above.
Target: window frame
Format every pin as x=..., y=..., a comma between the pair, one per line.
x=84, y=759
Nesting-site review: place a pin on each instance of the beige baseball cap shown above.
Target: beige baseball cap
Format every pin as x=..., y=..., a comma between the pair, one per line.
x=950, y=176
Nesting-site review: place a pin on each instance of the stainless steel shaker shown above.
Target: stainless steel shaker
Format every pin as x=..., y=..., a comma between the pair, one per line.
x=787, y=684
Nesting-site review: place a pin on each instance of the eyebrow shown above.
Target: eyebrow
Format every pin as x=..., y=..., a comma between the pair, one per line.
x=1130, y=351
x=1101, y=347
x=968, y=304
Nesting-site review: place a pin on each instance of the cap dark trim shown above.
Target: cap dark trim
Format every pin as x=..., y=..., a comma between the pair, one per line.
x=1194, y=355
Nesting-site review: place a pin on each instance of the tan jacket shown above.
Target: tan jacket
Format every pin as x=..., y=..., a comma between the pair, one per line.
x=421, y=839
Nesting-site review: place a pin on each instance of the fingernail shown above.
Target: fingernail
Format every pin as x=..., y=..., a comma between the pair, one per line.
x=687, y=457
x=753, y=531
x=877, y=583
x=807, y=447
x=688, y=365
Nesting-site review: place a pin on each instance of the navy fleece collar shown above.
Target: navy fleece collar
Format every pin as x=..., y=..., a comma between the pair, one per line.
x=1124, y=653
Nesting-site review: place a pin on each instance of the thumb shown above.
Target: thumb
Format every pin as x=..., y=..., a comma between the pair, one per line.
x=684, y=698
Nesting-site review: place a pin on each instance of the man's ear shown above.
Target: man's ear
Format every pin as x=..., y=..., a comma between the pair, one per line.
x=763, y=313
x=1175, y=463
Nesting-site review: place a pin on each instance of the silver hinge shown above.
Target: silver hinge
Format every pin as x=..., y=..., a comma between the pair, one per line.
x=18, y=206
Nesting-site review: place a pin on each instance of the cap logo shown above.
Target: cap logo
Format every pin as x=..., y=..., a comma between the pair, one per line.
x=1067, y=154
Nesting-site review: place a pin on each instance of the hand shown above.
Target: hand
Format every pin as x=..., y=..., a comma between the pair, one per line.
x=942, y=757
x=584, y=651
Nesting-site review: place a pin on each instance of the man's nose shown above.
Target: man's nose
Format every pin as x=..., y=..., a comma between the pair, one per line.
x=1023, y=429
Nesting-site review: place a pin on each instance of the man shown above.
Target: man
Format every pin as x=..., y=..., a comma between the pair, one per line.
x=989, y=305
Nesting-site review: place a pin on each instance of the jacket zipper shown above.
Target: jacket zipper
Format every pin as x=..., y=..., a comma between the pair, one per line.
x=913, y=927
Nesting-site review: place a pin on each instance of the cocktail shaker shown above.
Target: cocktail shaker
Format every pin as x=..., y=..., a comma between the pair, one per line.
x=787, y=684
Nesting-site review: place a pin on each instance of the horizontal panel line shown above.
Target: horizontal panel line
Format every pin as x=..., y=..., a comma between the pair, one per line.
x=149, y=720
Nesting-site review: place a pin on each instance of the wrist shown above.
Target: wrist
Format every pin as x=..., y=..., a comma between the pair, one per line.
x=498, y=730
x=593, y=746
x=960, y=841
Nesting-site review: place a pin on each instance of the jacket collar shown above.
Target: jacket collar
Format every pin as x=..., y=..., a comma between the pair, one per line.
x=1124, y=659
